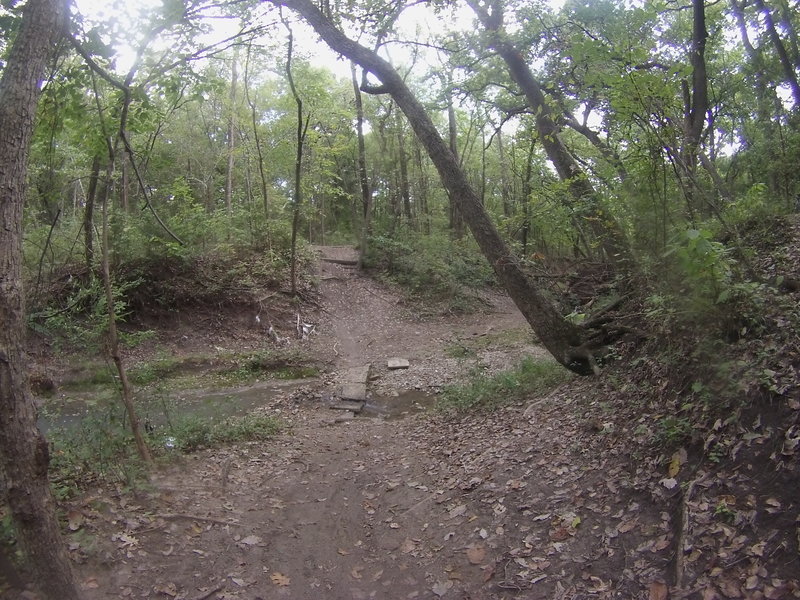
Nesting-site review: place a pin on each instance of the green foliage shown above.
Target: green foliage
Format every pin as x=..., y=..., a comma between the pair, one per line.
x=99, y=448
x=83, y=325
x=674, y=430
x=432, y=267
x=190, y=433
x=531, y=377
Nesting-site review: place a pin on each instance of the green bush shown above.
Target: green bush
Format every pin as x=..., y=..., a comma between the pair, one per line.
x=432, y=267
x=190, y=433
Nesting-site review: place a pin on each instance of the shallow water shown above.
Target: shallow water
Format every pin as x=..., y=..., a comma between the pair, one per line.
x=158, y=408
x=395, y=407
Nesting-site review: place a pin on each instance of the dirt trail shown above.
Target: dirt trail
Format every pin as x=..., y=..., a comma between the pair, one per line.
x=505, y=505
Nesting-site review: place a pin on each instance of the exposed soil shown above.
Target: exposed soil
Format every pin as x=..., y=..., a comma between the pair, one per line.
x=550, y=498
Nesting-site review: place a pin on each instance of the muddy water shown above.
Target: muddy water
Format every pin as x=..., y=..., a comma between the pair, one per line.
x=394, y=407
x=158, y=409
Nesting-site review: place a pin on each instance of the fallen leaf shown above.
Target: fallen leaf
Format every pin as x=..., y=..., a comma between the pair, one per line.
x=670, y=483
x=626, y=526
x=476, y=554
x=458, y=511
x=168, y=551
x=488, y=572
x=280, y=579
x=355, y=572
x=407, y=546
x=169, y=589
x=251, y=540
x=343, y=552
x=91, y=583
x=559, y=534
x=658, y=591
x=442, y=587
x=74, y=520
x=674, y=466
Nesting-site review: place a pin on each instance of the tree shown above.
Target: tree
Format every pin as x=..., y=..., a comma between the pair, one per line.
x=586, y=199
x=559, y=336
x=23, y=449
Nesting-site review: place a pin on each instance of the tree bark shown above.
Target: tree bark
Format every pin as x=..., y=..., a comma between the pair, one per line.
x=561, y=338
x=257, y=141
x=112, y=335
x=405, y=191
x=88, y=217
x=456, y=219
x=231, y=141
x=24, y=454
x=298, y=162
x=366, y=195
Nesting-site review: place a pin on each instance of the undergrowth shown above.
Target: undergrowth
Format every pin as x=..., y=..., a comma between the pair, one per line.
x=530, y=377
x=101, y=448
x=432, y=268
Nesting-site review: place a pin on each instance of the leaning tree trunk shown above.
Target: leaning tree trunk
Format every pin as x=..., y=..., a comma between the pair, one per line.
x=559, y=336
x=24, y=454
x=586, y=203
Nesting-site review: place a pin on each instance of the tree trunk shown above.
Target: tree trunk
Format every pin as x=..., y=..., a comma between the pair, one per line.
x=789, y=72
x=586, y=201
x=88, y=217
x=298, y=163
x=456, y=219
x=113, y=336
x=505, y=183
x=257, y=140
x=24, y=454
x=231, y=141
x=366, y=196
x=405, y=192
x=560, y=337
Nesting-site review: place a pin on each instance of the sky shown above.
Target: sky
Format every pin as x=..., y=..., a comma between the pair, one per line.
x=415, y=23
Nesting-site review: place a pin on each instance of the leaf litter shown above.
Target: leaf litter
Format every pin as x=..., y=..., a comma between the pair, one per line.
x=524, y=501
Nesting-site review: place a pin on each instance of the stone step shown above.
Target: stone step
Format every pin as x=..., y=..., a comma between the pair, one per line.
x=348, y=405
x=353, y=391
x=355, y=375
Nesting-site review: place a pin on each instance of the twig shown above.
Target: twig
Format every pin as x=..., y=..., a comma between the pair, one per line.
x=420, y=503
x=683, y=528
x=226, y=471
x=178, y=516
x=209, y=593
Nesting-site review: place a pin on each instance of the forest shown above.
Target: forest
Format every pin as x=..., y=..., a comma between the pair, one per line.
x=625, y=171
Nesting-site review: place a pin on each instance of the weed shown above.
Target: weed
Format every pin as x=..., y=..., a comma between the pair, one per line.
x=191, y=433
x=530, y=377
x=674, y=430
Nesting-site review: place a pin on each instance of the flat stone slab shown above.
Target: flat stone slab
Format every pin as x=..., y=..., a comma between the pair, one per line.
x=353, y=391
x=344, y=417
x=356, y=375
x=348, y=405
x=398, y=363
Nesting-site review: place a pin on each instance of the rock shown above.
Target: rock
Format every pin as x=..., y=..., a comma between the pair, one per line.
x=353, y=391
x=356, y=375
x=348, y=405
x=398, y=363
x=344, y=417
